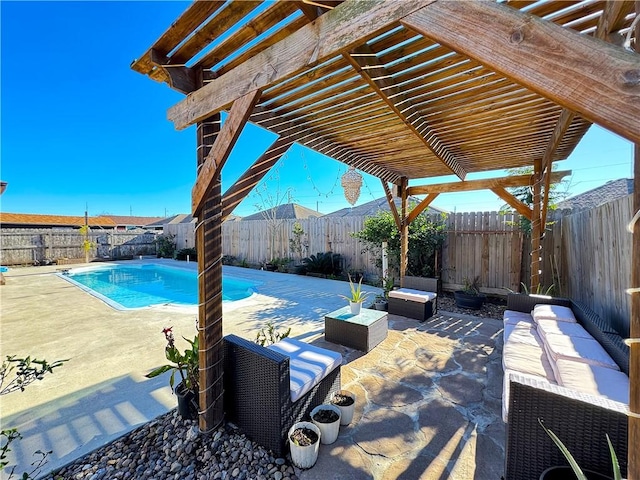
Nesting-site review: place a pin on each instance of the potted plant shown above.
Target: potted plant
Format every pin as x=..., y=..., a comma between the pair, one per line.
x=380, y=303
x=186, y=364
x=356, y=298
x=346, y=402
x=304, y=441
x=470, y=296
x=563, y=472
x=327, y=419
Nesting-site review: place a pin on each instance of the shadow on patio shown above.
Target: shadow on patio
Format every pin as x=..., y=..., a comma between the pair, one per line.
x=428, y=404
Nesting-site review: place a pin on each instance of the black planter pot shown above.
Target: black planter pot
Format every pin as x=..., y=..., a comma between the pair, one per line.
x=465, y=300
x=187, y=402
x=565, y=473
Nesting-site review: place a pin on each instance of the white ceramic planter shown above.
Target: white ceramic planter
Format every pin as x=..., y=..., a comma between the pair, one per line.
x=329, y=431
x=355, y=307
x=346, y=413
x=304, y=456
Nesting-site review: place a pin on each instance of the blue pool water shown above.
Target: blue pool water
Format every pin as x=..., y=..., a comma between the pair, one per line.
x=137, y=286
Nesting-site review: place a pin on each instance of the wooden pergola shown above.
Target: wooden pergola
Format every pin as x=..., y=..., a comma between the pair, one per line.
x=402, y=90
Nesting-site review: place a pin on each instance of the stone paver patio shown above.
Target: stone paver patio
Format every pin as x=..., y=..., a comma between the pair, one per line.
x=428, y=404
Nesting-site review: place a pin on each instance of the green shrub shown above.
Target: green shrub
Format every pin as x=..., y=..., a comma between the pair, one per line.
x=165, y=246
x=327, y=263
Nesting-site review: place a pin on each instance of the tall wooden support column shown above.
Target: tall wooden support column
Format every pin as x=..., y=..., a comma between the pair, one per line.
x=536, y=226
x=209, y=248
x=404, y=230
x=633, y=466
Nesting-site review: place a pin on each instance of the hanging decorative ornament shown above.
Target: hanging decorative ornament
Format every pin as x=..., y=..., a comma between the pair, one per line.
x=351, y=181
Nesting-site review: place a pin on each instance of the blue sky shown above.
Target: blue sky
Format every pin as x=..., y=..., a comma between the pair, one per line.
x=80, y=128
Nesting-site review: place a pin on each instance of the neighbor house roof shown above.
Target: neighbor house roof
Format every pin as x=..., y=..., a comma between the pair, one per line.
x=36, y=220
x=598, y=196
x=131, y=221
x=371, y=208
x=286, y=211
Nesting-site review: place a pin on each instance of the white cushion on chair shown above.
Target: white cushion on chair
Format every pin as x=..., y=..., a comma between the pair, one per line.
x=513, y=317
x=413, y=295
x=546, y=327
x=524, y=353
x=308, y=364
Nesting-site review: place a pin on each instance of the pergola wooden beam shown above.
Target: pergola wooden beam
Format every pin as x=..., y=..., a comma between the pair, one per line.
x=418, y=209
x=241, y=188
x=225, y=141
x=364, y=60
x=520, y=207
x=305, y=136
x=599, y=81
x=392, y=205
x=342, y=29
x=483, y=184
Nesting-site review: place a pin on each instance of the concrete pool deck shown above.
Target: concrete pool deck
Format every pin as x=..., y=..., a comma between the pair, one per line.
x=429, y=395
x=101, y=392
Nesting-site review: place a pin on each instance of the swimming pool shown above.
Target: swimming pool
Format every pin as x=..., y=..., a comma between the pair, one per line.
x=138, y=286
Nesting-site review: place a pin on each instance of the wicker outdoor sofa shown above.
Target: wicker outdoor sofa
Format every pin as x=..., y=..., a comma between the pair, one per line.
x=257, y=396
x=581, y=420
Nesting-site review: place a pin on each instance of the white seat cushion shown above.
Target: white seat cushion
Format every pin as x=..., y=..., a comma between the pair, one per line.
x=552, y=312
x=594, y=379
x=586, y=350
x=521, y=332
x=512, y=316
x=561, y=328
x=413, y=295
x=524, y=353
x=308, y=364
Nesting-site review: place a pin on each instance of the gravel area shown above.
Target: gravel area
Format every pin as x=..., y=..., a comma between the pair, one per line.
x=493, y=307
x=170, y=448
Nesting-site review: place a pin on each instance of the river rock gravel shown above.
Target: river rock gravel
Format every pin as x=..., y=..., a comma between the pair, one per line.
x=170, y=448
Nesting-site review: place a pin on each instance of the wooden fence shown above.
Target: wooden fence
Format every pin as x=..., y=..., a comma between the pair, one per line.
x=488, y=245
x=38, y=246
x=592, y=251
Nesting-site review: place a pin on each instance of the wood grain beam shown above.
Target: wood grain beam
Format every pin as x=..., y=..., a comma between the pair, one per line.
x=418, y=209
x=612, y=17
x=364, y=60
x=171, y=38
x=306, y=136
x=599, y=81
x=225, y=141
x=180, y=78
x=392, y=205
x=250, y=178
x=483, y=184
x=342, y=29
x=520, y=207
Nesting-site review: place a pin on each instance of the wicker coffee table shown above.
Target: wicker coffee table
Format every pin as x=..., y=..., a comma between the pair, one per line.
x=362, y=332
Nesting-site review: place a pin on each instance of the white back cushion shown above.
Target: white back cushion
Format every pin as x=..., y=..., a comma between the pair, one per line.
x=561, y=328
x=586, y=350
x=552, y=312
x=512, y=316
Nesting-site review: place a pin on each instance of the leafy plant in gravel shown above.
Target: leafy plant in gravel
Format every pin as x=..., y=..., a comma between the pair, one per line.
x=186, y=364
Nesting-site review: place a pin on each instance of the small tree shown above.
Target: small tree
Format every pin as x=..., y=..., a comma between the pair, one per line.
x=295, y=243
x=165, y=245
x=87, y=245
x=425, y=238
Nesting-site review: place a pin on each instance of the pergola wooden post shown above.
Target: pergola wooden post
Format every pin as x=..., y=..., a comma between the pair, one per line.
x=633, y=467
x=404, y=230
x=536, y=227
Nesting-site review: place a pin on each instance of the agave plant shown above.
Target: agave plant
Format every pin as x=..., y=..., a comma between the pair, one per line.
x=357, y=295
x=572, y=461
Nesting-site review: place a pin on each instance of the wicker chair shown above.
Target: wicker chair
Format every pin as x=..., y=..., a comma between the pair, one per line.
x=257, y=396
x=579, y=419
